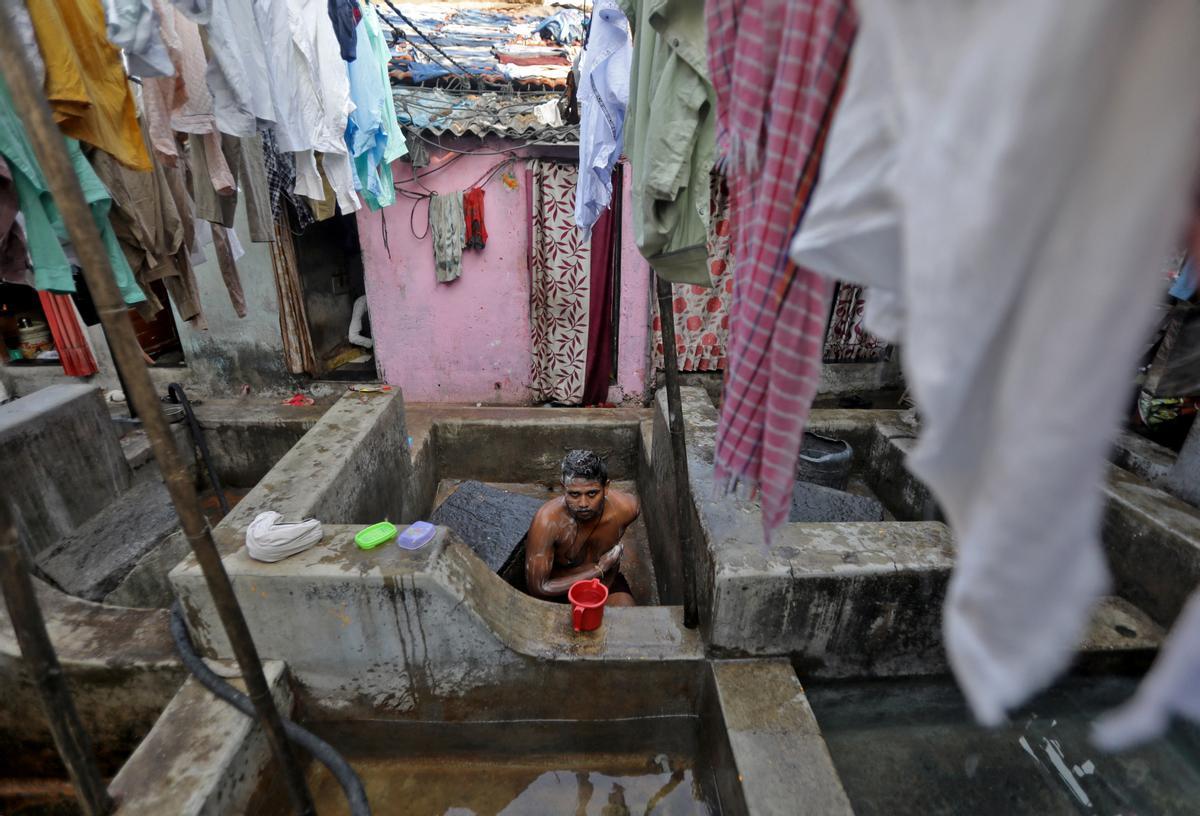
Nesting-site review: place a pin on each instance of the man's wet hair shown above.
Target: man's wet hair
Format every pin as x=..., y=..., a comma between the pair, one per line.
x=585, y=466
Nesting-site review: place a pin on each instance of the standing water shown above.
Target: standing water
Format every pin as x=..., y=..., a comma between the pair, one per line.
x=592, y=768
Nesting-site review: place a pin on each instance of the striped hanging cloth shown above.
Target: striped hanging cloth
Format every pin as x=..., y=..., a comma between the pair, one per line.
x=777, y=68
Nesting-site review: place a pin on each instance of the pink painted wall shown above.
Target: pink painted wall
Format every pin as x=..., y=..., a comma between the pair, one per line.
x=469, y=341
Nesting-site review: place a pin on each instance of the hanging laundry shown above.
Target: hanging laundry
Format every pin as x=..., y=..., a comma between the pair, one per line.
x=324, y=83
x=134, y=26
x=1172, y=688
x=284, y=58
x=326, y=207
x=373, y=133
x=701, y=313
x=447, y=231
x=603, y=98
x=473, y=218
x=239, y=75
x=70, y=338
x=669, y=137
x=344, y=15
x=281, y=181
x=969, y=255
x=605, y=259
x=183, y=102
x=150, y=229
x=788, y=59
x=85, y=79
x=44, y=227
x=560, y=302
x=19, y=14
x=244, y=155
x=14, y=256
x=224, y=241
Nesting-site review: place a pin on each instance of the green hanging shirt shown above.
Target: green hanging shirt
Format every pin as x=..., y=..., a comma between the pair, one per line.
x=45, y=231
x=669, y=136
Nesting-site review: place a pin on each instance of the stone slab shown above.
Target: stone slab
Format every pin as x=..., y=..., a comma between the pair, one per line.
x=492, y=522
x=813, y=502
x=92, y=560
x=202, y=758
x=62, y=462
x=782, y=761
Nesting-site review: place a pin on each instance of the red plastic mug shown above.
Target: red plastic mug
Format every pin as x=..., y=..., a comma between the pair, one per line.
x=587, y=604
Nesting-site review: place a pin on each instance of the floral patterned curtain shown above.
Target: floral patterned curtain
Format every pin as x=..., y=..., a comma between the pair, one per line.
x=560, y=265
x=846, y=341
x=702, y=312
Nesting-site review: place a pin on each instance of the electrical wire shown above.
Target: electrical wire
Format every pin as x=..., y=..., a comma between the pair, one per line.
x=423, y=36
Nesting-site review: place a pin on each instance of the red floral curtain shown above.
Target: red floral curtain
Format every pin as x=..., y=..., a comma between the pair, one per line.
x=560, y=266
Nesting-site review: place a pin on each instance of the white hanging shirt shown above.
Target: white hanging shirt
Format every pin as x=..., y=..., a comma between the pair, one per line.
x=1005, y=177
x=603, y=99
x=275, y=25
x=238, y=73
x=323, y=86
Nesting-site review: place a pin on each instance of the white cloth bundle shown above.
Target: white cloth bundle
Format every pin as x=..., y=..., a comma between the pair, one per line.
x=268, y=540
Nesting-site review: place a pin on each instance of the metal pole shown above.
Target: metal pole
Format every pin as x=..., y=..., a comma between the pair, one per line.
x=72, y=740
x=683, y=491
x=51, y=153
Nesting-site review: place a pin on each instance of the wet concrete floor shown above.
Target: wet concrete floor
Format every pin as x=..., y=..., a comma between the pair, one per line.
x=910, y=747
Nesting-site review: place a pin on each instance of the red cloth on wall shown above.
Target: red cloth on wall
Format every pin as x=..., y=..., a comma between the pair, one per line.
x=473, y=213
x=598, y=368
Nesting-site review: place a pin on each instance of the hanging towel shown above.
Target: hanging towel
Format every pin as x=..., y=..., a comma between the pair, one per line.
x=447, y=230
x=268, y=539
x=994, y=186
x=473, y=216
x=788, y=60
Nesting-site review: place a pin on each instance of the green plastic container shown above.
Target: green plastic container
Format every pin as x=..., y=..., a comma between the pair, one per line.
x=371, y=537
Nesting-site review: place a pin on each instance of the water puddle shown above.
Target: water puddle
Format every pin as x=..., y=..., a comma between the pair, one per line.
x=607, y=768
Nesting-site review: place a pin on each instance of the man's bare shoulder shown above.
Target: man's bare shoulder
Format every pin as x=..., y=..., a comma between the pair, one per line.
x=626, y=504
x=552, y=511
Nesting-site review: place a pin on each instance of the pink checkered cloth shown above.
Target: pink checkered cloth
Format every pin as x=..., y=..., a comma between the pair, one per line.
x=777, y=68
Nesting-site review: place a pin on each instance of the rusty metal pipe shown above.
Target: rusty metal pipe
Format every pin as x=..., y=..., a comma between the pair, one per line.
x=51, y=152
x=683, y=516
x=74, y=745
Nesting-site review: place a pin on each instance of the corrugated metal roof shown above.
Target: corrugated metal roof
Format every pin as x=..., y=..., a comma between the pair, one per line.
x=528, y=117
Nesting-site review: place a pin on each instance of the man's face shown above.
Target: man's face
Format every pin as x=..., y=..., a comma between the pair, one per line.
x=585, y=500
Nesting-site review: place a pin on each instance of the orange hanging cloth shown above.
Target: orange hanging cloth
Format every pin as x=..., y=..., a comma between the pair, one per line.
x=473, y=213
x=85, y=79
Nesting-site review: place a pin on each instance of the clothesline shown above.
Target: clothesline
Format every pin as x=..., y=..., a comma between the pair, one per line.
x=276, y=102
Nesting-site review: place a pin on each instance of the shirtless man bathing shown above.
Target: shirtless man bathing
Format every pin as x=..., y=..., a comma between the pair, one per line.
x=577, y=535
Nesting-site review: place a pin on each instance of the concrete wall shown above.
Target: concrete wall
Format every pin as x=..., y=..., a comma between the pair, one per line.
x=122, y=670
x=469, y=341
x=62, y=462
x=236, y=351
